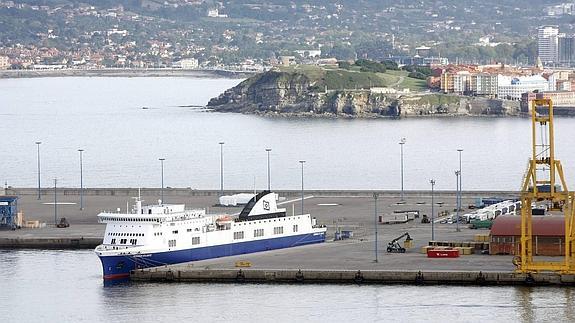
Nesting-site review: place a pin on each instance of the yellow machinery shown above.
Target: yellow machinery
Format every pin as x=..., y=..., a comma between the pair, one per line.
x=539, y=186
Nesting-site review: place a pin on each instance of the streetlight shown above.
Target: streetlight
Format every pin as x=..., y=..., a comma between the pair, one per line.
x=457, y=174
x=460, y=189
x=38, y=144
x=81, y=181
x=432, y=210
x=302, y=162
x=375, y=196
x=269, y=183
x=162, y=190
x=55, y=203
x=401, y=143
x=221, y=143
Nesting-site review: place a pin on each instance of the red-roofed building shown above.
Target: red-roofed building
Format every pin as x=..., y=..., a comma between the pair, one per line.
x=548, y=235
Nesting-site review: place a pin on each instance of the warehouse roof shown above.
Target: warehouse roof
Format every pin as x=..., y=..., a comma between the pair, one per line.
x=510, y=225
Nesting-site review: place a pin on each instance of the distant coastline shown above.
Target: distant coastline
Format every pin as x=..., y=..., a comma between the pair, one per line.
x=128, y=72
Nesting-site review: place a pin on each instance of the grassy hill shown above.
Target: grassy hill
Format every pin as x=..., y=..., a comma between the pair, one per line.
x=340, y=79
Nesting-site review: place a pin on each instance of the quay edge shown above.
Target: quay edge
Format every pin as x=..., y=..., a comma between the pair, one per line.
x=274, y=276
x=49, y=243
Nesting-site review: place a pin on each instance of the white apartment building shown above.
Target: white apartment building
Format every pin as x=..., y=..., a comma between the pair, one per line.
x=461, y=82
x=484, y=84
x=547, y=43
x=187, y=64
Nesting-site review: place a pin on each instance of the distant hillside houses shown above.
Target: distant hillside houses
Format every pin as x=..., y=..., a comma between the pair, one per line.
x=561, y=9
x=309, y=53
x=215, y=13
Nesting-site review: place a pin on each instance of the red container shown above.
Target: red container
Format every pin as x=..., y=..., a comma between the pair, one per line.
x=449, y=253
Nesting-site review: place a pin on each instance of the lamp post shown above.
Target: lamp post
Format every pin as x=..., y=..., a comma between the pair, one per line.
x=375, y=196
x=55, y=203
x=432, y=210
x=38, y=144
x=457, y=174
x=401, y=143
x=221, y=143
x=162, y=190
x=302, y=162
x=460, y=189
x=81, y=181
x=269, y=182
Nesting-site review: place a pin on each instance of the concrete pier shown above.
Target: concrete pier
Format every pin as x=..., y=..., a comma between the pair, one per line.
x=347, y=261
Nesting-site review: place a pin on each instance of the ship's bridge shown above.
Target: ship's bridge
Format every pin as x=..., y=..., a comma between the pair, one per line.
x=153, y=213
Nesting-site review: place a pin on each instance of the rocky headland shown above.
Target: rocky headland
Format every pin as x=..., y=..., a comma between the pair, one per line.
x=296, y=93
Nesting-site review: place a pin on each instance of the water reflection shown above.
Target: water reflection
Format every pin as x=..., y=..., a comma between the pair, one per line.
x=525, y=302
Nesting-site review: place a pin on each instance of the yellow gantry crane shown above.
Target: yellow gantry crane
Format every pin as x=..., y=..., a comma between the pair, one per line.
x=540, y=186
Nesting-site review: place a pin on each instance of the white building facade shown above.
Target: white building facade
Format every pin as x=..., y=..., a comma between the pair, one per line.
x=511, y=88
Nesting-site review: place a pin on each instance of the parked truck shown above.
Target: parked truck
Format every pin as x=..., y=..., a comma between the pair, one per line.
x=480, y=224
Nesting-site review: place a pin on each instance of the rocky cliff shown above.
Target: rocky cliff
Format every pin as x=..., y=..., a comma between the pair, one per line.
x=288, y=93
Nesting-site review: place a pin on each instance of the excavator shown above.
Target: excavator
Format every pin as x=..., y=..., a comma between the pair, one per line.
x=394, y=246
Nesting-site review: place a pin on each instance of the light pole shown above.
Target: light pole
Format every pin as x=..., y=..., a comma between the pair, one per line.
x=55, y=203
x=375, y=196
x=269, y=182
x=38, y=144
x=401, y=143
x=162, y=190
x=81, y=181
x=221, y=168
x=432, y=210
x=457, y=174
x=460, y=189
x=302, y=162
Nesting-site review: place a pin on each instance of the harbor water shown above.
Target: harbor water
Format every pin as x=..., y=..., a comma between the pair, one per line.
x=66, y=286
x=126, y=124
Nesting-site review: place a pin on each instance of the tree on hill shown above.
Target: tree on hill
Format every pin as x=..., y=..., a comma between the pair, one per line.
x=370, y=66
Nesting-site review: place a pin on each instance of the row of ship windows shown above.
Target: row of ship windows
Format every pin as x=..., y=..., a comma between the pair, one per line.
x=121, y=234
x=131, y=219
x=172, y=243
x=124, y=241
x=188, y=230
x=264, y=221
x=238, y=235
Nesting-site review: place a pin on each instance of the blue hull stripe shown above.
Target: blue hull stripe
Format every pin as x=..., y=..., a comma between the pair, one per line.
x=120, y=266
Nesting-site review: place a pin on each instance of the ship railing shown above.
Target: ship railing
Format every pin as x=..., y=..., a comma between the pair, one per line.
x=103, y=247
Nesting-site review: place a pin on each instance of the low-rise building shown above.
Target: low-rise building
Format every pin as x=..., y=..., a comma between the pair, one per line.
x=564, y=99
x=548, y=235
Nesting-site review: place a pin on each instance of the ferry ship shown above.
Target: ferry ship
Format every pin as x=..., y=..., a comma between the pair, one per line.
x=164, y=234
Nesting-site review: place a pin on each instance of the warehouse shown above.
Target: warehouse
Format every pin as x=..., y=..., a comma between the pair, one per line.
x=548, y=235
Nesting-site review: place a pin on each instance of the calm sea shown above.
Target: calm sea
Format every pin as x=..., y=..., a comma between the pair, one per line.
x=126, y=124
x=123, y=142
x=66, y=286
